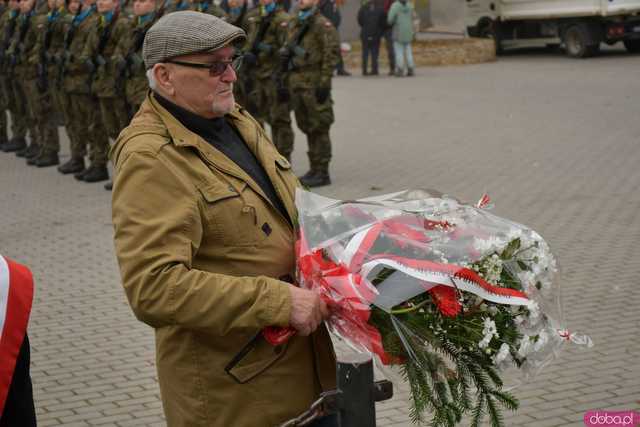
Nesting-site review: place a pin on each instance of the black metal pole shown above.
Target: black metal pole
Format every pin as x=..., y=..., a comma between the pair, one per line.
x=355, y=382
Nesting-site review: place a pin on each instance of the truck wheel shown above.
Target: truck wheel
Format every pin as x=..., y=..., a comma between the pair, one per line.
x=579, y=43
x=491, y=30
x=632, y=46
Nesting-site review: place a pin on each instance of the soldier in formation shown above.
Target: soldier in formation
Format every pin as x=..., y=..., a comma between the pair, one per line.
x=78, y=64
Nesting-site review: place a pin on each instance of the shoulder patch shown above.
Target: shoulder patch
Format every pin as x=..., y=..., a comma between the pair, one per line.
x=327, y=24
x=284, y=24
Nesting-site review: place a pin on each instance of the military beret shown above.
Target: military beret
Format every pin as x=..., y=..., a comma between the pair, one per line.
x=186, y=32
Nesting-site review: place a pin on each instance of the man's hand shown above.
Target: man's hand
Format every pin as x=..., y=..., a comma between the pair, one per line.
x=307, y=310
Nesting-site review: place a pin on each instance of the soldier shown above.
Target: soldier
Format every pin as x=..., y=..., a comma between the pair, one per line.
x=310, y=55
x=38, y=91
x=9, y=26
x=267, y=33
x=97, y=58
x=85, y=109
x=18, y=66
x=131, y=80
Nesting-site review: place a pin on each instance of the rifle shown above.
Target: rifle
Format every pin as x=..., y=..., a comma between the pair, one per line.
x=66, y=56
x=43, y=63
x=287, y=54
x=24, y=28
x=98, y=60
x=251, y=56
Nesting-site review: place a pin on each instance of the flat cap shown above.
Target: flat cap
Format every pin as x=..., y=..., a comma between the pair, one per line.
x=186, y=32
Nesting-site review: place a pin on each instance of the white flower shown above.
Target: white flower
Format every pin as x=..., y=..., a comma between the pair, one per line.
x=489, y=331
x=486, y=246
x=513, y=234
x=527, y=279
x=493, y=310
x=502, y=355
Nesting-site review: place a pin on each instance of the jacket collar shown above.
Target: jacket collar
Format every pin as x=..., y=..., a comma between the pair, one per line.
x=249, y=132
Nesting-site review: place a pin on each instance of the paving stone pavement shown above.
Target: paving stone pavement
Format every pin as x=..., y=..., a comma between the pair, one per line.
x=555, y=141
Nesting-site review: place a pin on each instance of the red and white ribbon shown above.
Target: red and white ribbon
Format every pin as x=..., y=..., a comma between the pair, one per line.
x=16, y=297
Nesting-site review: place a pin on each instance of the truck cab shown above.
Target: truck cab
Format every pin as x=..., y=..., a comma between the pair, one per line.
x=580, y=26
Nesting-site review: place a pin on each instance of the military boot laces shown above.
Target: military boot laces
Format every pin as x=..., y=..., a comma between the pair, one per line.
x=75, y=165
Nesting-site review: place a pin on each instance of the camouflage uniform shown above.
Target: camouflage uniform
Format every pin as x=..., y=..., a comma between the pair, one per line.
x=4, y=104
x=41, y=96
x=24, y=88
x=113, y=108
x=245, y=83
x=178, y=5
x=84, y=108
x=241, y=20
x=131, y=78
x=267, y=33
x=313, y=55
x=8, y=28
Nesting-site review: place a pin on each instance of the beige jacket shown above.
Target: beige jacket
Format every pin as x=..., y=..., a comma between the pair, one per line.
x=197, y=265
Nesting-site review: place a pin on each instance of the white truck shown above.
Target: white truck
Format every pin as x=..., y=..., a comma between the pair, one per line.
x=581, y=26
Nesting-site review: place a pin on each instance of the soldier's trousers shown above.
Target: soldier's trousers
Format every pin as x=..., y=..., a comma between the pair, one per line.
x=20, y=90
x=87, y=126
x=276, y=114
x=114, y=116
x=17, y=110
x=41, y=110
x=314, y=119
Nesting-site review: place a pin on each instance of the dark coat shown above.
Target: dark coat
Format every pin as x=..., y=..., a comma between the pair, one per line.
x=330, y=10
x=372, y=20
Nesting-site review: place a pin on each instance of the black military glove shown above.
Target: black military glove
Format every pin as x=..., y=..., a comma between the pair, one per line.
x=322, y=94
x=283, y=94
x=89, y=66
x=250, y=59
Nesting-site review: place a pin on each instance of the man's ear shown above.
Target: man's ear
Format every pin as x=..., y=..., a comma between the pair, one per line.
x=164, y=80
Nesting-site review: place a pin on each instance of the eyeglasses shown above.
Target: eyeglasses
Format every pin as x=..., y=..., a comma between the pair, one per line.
x=216, y=68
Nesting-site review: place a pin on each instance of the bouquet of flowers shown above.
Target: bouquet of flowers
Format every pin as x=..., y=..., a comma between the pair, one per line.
x=448, y=292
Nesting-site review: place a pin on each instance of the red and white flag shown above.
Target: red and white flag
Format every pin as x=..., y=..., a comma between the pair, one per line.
x=16, y=297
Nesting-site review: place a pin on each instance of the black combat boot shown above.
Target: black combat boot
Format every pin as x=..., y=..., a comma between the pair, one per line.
x=33, y=151
x=307, y=175
x=14, y=144
x=410, y=72
x=96, y=174
x=47, y=159
x=318, y=179
x=108, y=186
x=75, y=165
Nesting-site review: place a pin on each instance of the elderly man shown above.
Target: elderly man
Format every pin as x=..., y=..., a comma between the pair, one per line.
x=203, y=210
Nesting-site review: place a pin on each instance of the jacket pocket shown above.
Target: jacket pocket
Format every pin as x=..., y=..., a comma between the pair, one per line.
x=233, y=221
x=253, y=359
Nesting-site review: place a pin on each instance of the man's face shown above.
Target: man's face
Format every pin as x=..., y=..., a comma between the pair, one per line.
x=51, y=4
x=73, y=6
x=14, y=4
x=143, y=7
x=307, y=4
x=197, y=91
x=59, y=4
x=236, y=3
x=106, y=5
x=266, y=2
x=26, y=5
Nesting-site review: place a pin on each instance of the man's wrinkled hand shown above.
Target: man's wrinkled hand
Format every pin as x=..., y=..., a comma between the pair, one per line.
x=308, y=310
